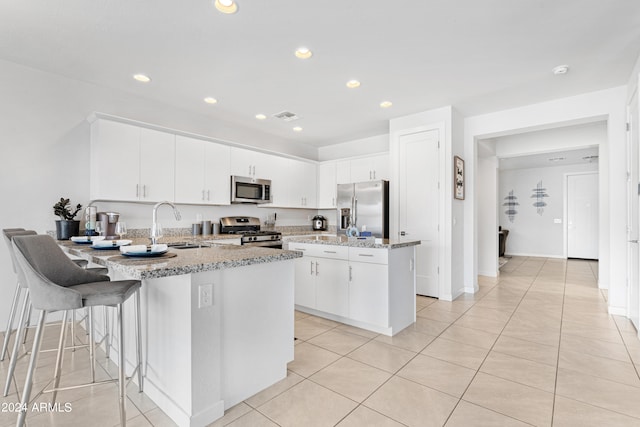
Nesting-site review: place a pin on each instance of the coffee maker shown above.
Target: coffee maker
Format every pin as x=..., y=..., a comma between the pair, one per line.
x=108, y=222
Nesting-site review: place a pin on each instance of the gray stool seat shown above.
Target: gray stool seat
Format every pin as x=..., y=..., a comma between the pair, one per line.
x=93, y=294
x=56, y=283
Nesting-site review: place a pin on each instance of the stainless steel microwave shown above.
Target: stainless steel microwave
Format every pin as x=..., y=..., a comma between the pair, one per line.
x=250, y=190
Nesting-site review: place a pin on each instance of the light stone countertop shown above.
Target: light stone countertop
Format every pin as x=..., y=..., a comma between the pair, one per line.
x=185, y=261
x=332, y=239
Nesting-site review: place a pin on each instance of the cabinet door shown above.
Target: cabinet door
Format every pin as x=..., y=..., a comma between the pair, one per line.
x=327, y=185
x=305, y=282
x=343, y=172
x=332, y=286
x=241, y=162
x=380, y=166
x=368, y=293
x=278, y=170
x=190, y=170
x=115, y=161
x=361, y=170
x=157, y=165
x=217, y=178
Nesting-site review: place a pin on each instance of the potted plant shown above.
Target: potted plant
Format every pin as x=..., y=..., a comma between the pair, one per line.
x=67, y=225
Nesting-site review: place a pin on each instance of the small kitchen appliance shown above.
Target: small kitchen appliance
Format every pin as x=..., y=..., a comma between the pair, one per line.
x=249, y=229
x=319, y=223
x=108, y=222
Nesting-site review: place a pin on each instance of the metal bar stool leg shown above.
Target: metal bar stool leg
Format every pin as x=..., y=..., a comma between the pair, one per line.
x=27, y=322
x=107, y=334
x=59, y=357
x=121, y=361
x=12, y=315
x=33, y=362
x=16, y=345
x=139, y=342
x=92, y=345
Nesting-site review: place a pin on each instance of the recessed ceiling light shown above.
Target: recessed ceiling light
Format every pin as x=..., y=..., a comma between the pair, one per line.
x=352, y=84
x=260, y=116
x=226, y=6
x=560, y=69
x=210, y=100
x=142, y=78
x=386, y=104
x=303, y=53
x=297, y=129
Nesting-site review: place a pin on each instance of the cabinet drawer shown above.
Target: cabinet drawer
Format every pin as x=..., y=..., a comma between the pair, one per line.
x=321, y=251
x=374, y=256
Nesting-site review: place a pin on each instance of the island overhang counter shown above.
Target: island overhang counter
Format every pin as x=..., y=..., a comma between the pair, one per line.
x=217, y=324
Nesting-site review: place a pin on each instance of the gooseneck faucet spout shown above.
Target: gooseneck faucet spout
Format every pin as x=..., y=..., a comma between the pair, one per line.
x=154, y=219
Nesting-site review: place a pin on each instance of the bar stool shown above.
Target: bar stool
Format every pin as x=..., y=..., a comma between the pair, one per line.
x=57, y=284
x=25, y=313
x=8, y=233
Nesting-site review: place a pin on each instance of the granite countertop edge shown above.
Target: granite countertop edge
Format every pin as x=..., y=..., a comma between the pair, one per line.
x=333, y=240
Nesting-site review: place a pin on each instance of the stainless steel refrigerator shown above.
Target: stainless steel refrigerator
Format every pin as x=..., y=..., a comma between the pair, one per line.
x=365, y=206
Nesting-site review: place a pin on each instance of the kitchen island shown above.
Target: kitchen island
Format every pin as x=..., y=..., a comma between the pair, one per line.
x=367, y=283
x=217, y=324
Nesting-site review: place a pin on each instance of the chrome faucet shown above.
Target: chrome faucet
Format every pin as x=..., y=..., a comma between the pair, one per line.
x=154, y=219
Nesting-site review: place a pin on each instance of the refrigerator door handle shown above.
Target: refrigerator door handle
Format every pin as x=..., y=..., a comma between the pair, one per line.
x=355, y=212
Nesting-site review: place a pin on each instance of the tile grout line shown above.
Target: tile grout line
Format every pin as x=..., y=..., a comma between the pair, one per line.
x=493, y=345
x=555, y=383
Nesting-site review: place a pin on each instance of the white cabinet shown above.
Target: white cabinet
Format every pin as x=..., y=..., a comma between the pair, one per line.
x=301, y=184
x=322, y=278
x=343, y=172
x=130, y=163
x=202, y=172
x=250, y=163
x=327, y=185
x=371, y=288
x=370, y=168
x=368, y=293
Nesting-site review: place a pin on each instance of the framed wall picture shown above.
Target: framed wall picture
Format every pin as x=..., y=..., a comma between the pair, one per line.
x=458, y=178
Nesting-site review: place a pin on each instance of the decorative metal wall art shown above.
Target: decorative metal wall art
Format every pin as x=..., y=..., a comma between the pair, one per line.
x=511, y=202
x=458, y=178
x=539, y=193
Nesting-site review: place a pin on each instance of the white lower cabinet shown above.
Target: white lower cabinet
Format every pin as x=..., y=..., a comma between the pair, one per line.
x=357, y=286
x=369, y=293
x=332, y=286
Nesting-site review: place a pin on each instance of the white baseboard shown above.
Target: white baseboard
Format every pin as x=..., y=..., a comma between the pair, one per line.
x=617, y=311
x=536, y=255
x=471, y=289
x=488, y=273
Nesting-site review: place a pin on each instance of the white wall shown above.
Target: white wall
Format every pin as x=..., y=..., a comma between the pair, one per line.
x=550, y=140
x=530, y=233
x=606, y=105
x=452, y=211
x=487, y=193
x=357, y=147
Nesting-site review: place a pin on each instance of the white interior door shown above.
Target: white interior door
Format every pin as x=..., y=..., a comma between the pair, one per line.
x=633, y=252
x=419, y=204
x=582, y=216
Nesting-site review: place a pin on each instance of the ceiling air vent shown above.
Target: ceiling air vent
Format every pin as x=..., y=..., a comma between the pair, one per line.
x=287, y=116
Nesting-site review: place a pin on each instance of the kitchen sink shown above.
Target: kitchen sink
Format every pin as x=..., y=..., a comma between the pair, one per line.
x=187, y=245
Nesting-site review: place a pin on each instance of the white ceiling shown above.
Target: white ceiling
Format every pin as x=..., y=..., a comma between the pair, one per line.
x=477, y=55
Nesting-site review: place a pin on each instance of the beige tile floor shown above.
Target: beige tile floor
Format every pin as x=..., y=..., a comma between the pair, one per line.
x=535, y=347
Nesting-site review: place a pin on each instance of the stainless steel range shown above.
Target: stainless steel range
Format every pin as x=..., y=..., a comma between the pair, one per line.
x=249, y=228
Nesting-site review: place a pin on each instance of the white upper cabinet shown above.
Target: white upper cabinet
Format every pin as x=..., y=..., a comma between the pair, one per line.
x=130, y=163
x=202, y=172
x=370, y=168
x=251, y=164
x=301, y=189
x=343, y=172
x=327, y=185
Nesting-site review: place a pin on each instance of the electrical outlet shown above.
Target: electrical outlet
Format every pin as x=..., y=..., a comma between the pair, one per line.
x=205, y=295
